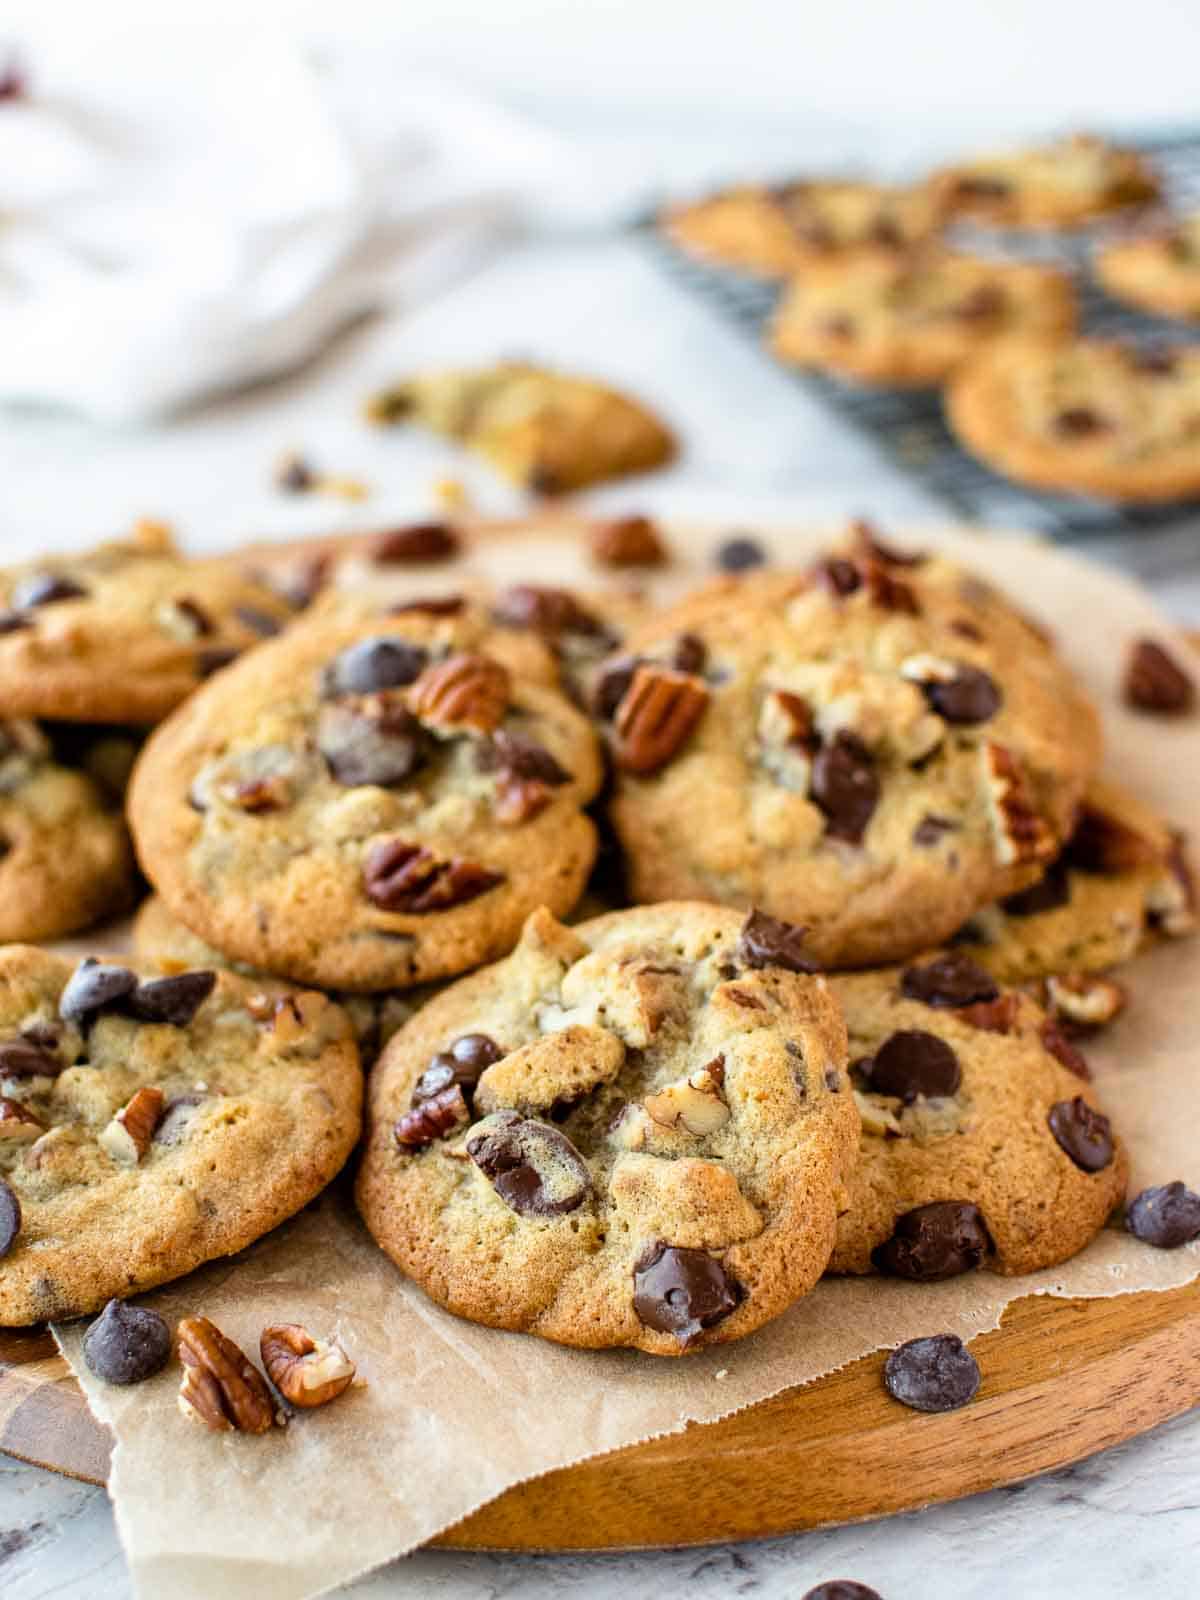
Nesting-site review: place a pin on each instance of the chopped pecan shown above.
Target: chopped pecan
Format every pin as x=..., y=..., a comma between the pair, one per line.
x=656, y=717
x=16, y=1122
x=628, y=542
x=464, y=693
x=519, y=799
x=219, y=1387
x=998, y=1015
x=1022, y=835
x=1061, y=1048
x=1082, y=1001
x=127, y=1137
x=695, y=1103
x=306, y=1371
x=1171, y=901
x=432, y=1119
x=399, y=876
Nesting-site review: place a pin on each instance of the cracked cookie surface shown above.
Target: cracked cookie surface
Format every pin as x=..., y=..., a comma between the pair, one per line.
x=626, y=1134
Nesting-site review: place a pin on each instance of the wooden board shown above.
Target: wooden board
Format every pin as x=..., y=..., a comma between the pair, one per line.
x=1061, y=1380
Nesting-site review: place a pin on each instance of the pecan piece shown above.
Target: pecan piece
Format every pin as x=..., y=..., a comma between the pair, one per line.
x=695, y=1103
x=399, y=876
x=16, y=1122
x=1154, y=681
x=627, y=542
x=551, y=611
x=421, y=542
x=127, y=1137
x=219, y=1387
x=463, y=694
x=306, y=1371
x=433, y=1118
x=1022, y=834
x=998, y=1015
x=656, y=717
x=1082, y=1001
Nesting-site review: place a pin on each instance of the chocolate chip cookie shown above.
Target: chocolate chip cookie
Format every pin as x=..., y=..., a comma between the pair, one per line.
x=367, y=804
x=1158, y=271
x=629, y=1133
x=1084, y=416
x=1058, y=185
x=124, y=632
x=981, y=1145
x=908, y=321
x=873, y=748
x=150, y=1124
x=546, y=431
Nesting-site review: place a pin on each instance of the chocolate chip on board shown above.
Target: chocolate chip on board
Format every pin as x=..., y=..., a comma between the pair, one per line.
x=937, y=1373
x=533, y=1168
x=845, y=787
x=1084, y=1133
x=1167, y=1216
x=948, y=982
x=1154, y=681
x=92, y=987
x=10, y=1218
x=912, y=1063
x=682, y=1291
x=126, y=1344
x=934, y=1241
x=767, y=942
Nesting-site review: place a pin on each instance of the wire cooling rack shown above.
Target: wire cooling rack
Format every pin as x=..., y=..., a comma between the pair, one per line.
x=908, y=425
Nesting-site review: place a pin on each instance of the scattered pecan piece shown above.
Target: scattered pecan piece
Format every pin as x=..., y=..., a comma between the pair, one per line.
x=1154, y=681
x=306, y=1371
x=433, y=1118
x=220, y=1388
x=127, y=1137
x=464, y=693
x=998, y=1015
x=1082, y=1001
x=655, y=718
x=1022, y=834
x=422, y=542
x=404, y=877
x=628, y=542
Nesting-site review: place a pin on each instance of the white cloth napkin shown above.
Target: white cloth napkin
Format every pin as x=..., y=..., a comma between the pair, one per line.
x=184, y=211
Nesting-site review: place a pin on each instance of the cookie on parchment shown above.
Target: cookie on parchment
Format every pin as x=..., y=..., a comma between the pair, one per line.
x=124, y=632
x=874, y=749
x=148, y=1125
x=1084, y=416
x=1158, y=272
x=367, y=804
x=1058, y=185
x=981, y=1144
x=908, y=321
x=547, y=431
x=630, y=1133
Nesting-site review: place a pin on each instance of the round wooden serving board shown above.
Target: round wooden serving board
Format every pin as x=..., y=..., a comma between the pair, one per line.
x=1061, y=1380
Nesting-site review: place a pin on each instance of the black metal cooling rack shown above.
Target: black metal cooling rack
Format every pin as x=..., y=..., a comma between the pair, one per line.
x=908, y=426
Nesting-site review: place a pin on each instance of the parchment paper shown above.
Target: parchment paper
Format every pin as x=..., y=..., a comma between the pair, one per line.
x=450, y=1414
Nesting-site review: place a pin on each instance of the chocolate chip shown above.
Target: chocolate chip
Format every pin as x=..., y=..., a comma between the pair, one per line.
x=1154, y=681
x=91, y=988
x=912, y=1063
x=521, y=757
x=44, y=589
x=1166, y=1217
x=422, y=542
x=970, y=696
x=534, y=1169
x=214, y=659
x=767, y=942
x=10, y=1218
x=1155, y=361
x=682, y=1291
x=930, y=830
x=739, y=554
x=845, y=787
x=1051, y=891
x=551, y=611
x=948, y=982
x=839, y=576
x=174, y=1000
x=463, y=1063
x=934, y=1241
x=937, y=1373
x=403, y=877
x=1079, y=422
x=22, y=1058
x=446, y=605
x=126, y=1344
x=259, y=622
x=612, y=685
x=690, y=653
x=373, y=664
x=1083, y=1132
x=377, y=742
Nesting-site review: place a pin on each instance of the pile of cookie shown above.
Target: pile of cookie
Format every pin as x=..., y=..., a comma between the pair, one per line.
x=691, y=952
x=877, y=290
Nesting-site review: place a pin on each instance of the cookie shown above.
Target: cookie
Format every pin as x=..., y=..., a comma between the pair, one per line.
x=774, y=232
x=546, y=431
x=1084, y=416
x=630, y=1133
x=874, y=749
x=1058, y=185
x=1121, y=882
x=124, y=632
x=1158, y=272
x=149, y=1125
x=367, y=804
x=911, y=320
x=163, y=943
x=979, y=1148
x=65, y=856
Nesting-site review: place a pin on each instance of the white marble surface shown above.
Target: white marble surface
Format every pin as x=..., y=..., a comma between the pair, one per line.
x=1123, y=1524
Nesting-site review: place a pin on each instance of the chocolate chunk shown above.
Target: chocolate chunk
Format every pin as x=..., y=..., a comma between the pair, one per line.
x=1154, y=681
x=44, y=589
x=845, y=787
x=1083, y=1132
x=912, y=1063
x=22, y=1058
x=214, y=659
x=174, y=1000
x=739, y=554
x=690, y=653
x=534, y=1169
x=463, y=1063
x=10, y=1218
x=376, y=741
x=612, y=685
x=259, y=622
x=1079, y=422
x=403, y=877
x=126, y=1344
x=422, y=542
x=934, y=1241
x=14, y=621
x=839, y=576
x=930, y=830
x=91, y=988
x=767, y=942
x=937, y=1373
x=445, y=605
x=948, y=982
x=970, y=696
x=886, y=232
x=551, y=611
x=682, y=1291
x=1166, y=1217
x=1051, y=891
x=521, y=757
x=842, y=1589
x=543, y=480
x=373, y=664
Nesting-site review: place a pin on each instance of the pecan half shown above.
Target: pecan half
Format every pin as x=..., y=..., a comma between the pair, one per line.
x=1022, y=834
x=464, y=693
x=656, y=717
x=307, y=1372
x=127, y=1137
x=219, y=1386
x=432, y=1119
x=627, y=542
x=399, y=876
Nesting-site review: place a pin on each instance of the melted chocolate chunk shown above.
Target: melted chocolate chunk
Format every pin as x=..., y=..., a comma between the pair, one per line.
x=550, y=611
x=612, y=685
x=92, y=988
x=682, y=1291
x=174, y=1000
x=126, y=1344
x=522, y=757
x=937, y=1373
x=463, y=1063
x=372, y=665
x=948, y=982
x=767, y=942
x=534, y=1169
x=912, y=1063
x=1166, y=1217
x=969, y=697
x=934, y=1241
x=845, y=787
x=1084, y=1133
x=378, y=742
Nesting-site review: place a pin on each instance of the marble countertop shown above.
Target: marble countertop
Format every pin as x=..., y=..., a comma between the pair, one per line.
x=1123, y=1523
